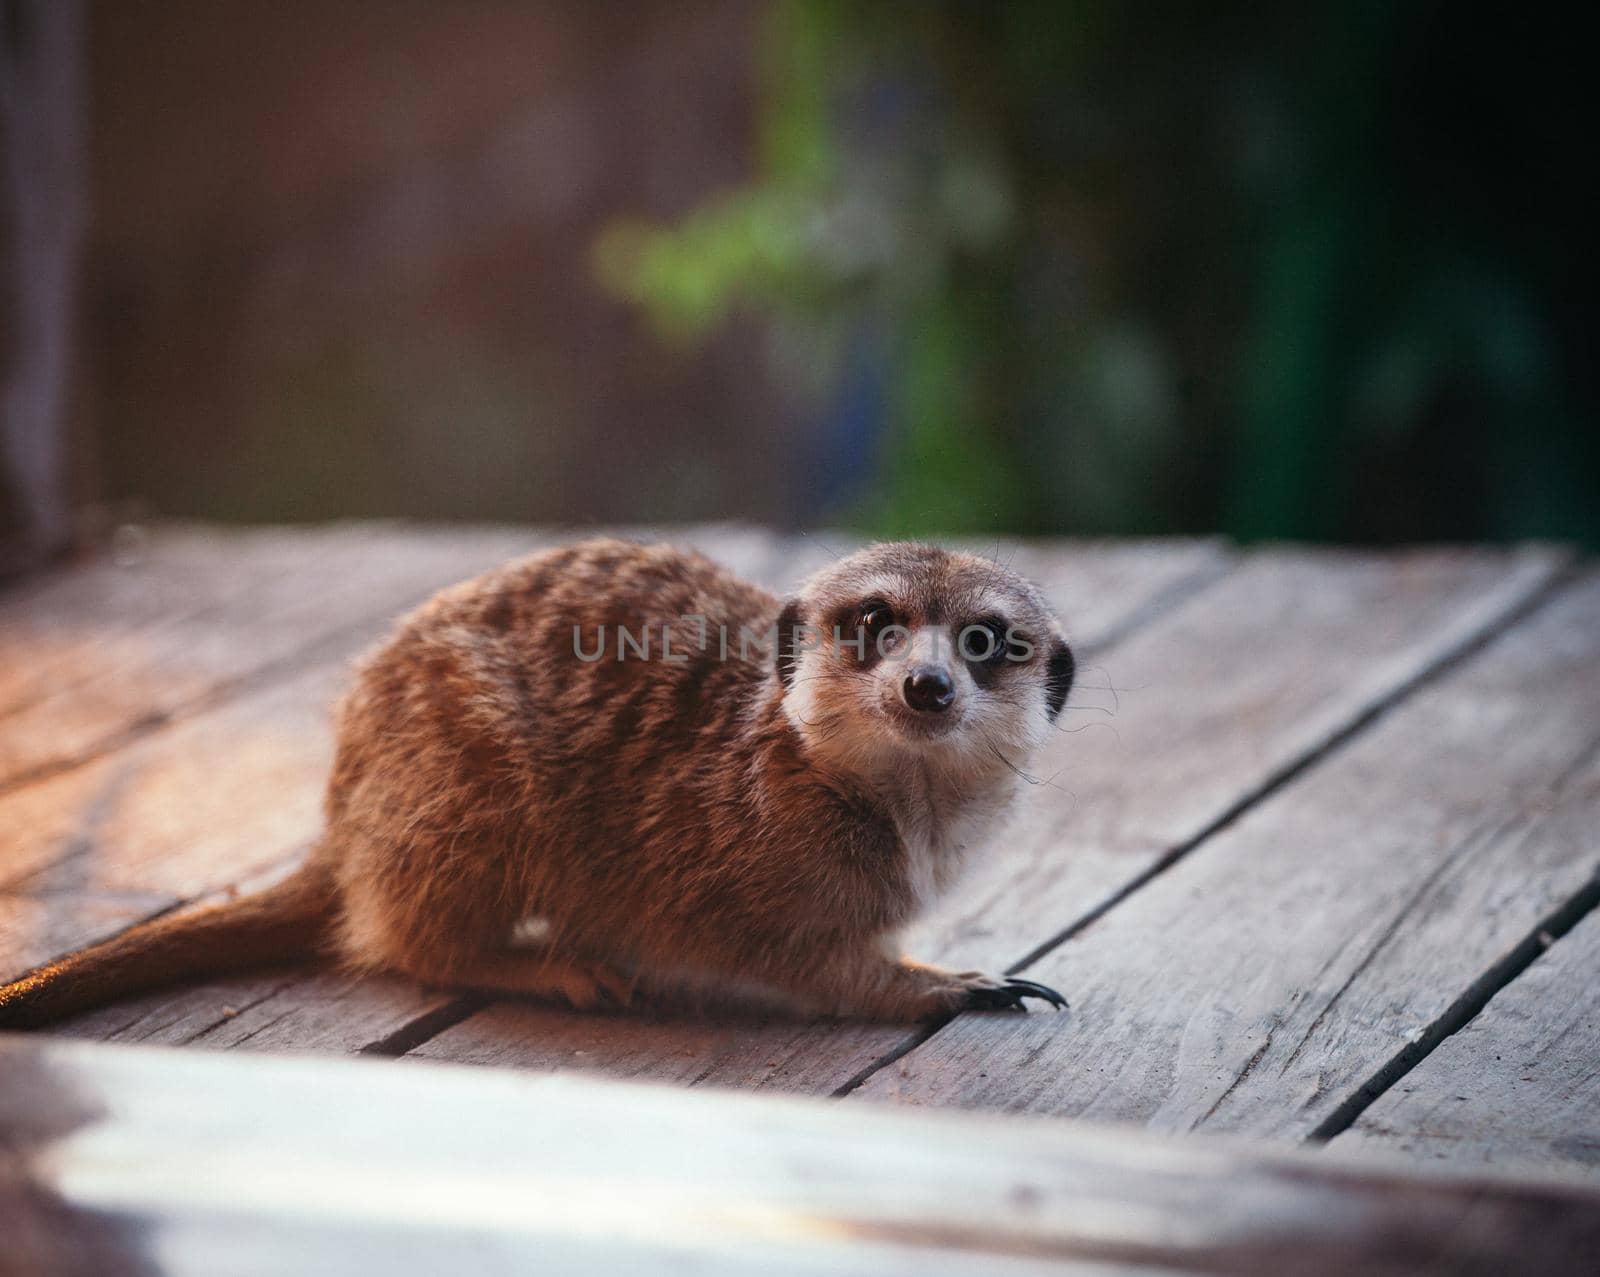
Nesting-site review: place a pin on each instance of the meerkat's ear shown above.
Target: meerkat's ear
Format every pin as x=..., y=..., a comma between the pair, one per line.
x=788, y=659
x=1058, y=678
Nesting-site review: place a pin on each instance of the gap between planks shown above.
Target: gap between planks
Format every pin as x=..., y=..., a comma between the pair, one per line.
x=1447, y=661
x=1518, y=1088
x=1543, y=936
x=1546, y=934
x=1453, y=896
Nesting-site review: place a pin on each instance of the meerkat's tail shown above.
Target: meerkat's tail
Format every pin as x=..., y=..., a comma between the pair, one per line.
x=287, y=922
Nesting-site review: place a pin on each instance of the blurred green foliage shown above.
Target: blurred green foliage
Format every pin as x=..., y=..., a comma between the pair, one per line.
x=1299, y=271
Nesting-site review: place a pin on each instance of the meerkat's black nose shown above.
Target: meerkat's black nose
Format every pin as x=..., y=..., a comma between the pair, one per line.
x=928, y=690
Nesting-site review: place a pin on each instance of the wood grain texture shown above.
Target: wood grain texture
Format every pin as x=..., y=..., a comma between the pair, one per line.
x=751, y=1054
x=274, y=1164
x=285, y=1010
x=1518, y=1089
x=1262, y=980
x=111, y=649
x=211, y=799
x=230, y=789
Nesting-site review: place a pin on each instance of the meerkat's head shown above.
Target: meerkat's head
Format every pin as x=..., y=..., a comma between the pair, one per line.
x=908, y=652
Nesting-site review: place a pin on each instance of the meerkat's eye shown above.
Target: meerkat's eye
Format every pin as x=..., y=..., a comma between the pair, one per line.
x=874, y=617
x=984, y=642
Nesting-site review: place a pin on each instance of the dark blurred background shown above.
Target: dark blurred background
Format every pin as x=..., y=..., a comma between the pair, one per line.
x=1318, y=272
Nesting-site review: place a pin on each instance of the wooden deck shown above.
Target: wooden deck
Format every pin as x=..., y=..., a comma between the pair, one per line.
x=1314, y=857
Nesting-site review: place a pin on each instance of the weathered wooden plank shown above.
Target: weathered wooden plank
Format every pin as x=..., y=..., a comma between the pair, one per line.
x=100, y=652
x=188, y=1163
x=1260, y=982
x=209, y=798
x=284, y=1010
x=751, y=1054
x=165, y=811
x=1238, y=686
x=1518, y=1089
x=34, y=929
x=186, y=862
x=53, y=624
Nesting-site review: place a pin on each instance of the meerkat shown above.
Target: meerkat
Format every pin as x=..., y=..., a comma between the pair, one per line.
x=611, y=768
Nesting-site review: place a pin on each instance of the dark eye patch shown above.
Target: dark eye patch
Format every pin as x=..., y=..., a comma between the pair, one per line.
x=987, y=647
x=873, y=617
x=860, y=627
x=984, y=641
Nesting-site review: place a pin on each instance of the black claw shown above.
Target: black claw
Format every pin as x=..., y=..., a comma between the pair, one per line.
x=1032, y=989
x=1009, y=996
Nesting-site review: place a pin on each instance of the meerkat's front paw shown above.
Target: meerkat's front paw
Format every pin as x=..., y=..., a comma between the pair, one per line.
x=911, y=991
x=1009, y=993
x=979, y=991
